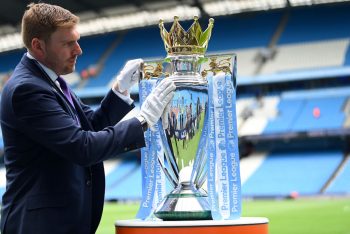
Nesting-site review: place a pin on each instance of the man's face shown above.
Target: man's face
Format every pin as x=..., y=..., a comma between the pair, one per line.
x=61, y=50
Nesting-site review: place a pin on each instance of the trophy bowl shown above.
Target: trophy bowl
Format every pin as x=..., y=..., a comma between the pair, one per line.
x=184, y=143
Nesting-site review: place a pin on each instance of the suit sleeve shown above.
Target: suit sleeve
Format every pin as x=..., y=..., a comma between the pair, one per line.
x=111, y=110
x=41, y=118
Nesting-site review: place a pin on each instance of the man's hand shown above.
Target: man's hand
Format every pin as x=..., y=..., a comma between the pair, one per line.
x=128, y=76
x=157, y=103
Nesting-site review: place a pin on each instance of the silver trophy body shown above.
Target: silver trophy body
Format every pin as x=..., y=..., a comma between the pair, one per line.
x=184, y=143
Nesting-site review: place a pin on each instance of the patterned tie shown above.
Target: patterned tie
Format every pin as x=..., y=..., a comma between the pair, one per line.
x=64, y=87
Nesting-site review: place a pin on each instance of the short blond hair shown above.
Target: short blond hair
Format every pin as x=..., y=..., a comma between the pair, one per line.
x=40, y=20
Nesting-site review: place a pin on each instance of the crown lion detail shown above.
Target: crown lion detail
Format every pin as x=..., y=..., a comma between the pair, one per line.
x=192, y=41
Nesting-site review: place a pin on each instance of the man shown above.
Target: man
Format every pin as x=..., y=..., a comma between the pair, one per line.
x=54, y=144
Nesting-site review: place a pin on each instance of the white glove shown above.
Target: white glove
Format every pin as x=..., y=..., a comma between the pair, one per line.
x=128, y=76
x=157, y=103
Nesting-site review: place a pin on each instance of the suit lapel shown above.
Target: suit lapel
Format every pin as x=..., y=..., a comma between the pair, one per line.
x=34, y=67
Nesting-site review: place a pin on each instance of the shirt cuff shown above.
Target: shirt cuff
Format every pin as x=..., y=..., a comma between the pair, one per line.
x=126, y=99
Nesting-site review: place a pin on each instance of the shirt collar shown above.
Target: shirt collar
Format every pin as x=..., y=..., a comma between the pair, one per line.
x=53, y=76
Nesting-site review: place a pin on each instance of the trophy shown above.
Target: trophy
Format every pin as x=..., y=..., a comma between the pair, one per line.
x=183, y=141
x=187, y=139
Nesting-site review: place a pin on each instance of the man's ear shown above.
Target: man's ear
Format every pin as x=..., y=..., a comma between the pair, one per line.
x=38, y=48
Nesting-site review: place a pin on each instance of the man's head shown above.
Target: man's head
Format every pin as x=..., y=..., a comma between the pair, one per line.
x=49, y=33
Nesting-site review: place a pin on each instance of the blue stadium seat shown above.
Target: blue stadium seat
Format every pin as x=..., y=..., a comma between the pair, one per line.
x=133, y=45
x=347, y=57
x=10, y=59
x=330, y=116
x=341, y=184
x=93, y=47
x=282, y=173
x=119, y=180
x=288, y=110
x=316, y=23
x=238, y=32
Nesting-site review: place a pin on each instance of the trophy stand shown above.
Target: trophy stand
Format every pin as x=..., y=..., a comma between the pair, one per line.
x=243, y=225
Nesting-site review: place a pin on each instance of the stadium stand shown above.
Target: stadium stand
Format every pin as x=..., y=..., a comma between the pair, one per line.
x=118, y=181
x=286, y=115
x=310, y=110
x=261, y=110
x=282, y=173
x=250, y=164
x=316, y=23
x=320, y=113
x=347, y=56
x=93, y=48
x=10, y=59
x=128, y=47
x=341, y=183
x=275, y=50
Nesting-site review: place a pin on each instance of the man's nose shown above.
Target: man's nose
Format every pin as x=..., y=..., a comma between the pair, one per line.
x=77, y=50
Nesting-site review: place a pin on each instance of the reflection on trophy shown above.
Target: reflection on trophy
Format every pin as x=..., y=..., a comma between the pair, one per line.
x=184, y=141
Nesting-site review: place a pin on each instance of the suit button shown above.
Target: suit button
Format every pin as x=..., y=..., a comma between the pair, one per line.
x=88, y=183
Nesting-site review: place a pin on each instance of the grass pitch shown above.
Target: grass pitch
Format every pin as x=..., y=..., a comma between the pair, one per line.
x=301, y=216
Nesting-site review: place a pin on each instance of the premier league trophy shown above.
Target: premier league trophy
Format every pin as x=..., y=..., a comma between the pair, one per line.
x=198, y=152
x=184, y=140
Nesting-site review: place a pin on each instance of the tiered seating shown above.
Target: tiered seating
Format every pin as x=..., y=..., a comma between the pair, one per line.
x=307, y=110
x=320, y=113
x=93, y=48
x=347, y=113
x=250, y=164
x=242, y=32
x=282, y=173
x=137, y=43
x=288, y=110
x=308, y=55
x=341, y=184
x=238, y=34
x=347, y=56
x=10, y=59
x=316, y=24
x=312, y=39
x=118, y=181
x=242, y=110
x=262, y=109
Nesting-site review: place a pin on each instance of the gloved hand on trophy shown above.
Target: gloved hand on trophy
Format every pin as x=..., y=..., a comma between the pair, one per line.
x=157, y=104
x=128, y=76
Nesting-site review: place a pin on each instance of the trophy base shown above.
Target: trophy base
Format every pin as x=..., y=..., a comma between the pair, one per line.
x=184, y=203
x=183, y=215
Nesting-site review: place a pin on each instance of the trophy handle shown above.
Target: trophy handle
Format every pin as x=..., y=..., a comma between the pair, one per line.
x=216, y=63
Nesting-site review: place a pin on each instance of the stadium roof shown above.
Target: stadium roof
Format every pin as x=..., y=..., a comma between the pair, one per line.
x=11, y=11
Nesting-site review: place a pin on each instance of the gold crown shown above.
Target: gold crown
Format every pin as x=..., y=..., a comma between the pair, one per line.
x=178, y=41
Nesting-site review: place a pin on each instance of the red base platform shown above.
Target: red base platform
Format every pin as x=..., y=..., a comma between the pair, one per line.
x=244, y=225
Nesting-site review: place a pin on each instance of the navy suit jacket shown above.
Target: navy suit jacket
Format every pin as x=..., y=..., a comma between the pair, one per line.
x=54, y=169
